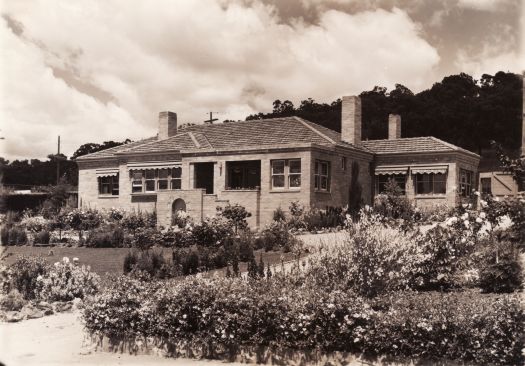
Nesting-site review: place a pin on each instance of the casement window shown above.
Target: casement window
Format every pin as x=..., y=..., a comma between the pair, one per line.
x=286, y=174
x=322, y=176
x=431, y=183
x=108, y=185
x=152, y=180
x=162, y=181
x=465, y=182
x=175, y=178
x=382, y=180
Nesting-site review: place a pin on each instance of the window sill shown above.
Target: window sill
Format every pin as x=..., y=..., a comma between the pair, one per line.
x=285, y=190
x=326, y=192
x=144, y=194
x=242, y=190
x=431, y=196
x=105, y=196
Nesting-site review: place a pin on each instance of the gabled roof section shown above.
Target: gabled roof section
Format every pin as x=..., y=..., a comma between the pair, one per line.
x=413, y=145
x=110, y=153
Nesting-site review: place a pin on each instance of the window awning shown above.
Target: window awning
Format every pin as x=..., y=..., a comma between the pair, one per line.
x=388, y=170
x=113, y=172
x=431, y=169
x=153, y=165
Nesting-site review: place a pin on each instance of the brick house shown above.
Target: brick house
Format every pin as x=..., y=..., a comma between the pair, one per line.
x=266, y=164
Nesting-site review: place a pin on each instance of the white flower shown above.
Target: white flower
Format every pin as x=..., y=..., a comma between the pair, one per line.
x=466, y=223
x=65, y=259
x=482, y=215
x=477, y=193
x=479, y=220
x=464, y=216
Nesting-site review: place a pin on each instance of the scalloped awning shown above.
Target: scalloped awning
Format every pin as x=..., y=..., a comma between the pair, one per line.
x=153, y=165
x=432, y=169
x=113, y=172
x=389, y=170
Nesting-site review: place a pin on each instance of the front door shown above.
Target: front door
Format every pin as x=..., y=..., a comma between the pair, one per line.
x=204, y=176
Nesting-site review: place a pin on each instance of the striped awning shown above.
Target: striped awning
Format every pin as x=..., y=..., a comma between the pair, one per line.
x=153, y=165
x=108, y=172
x=430, y=169
x=389, y=170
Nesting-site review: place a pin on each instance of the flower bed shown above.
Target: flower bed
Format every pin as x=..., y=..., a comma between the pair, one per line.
x=221, y=316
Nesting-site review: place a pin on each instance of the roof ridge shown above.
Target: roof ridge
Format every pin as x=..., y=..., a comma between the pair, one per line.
x=197, y=145
x=305, y=123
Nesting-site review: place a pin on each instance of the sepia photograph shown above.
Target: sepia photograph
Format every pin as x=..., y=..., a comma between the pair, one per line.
x=274, y=182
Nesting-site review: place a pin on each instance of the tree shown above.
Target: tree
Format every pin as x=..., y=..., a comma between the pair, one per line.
x=91, y=147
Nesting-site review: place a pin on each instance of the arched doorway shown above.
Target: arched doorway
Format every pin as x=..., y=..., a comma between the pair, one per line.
x=177, y=206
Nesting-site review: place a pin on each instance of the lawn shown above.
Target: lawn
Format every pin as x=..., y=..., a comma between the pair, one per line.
x=110, y=260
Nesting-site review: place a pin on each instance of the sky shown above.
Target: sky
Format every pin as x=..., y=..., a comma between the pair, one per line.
x=99, y=70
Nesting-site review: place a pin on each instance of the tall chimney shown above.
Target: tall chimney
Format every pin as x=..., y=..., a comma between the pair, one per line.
x=167, y=125
x=351, y=120
x=394, y=126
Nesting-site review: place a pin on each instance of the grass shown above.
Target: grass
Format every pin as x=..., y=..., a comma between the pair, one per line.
x=110, y=260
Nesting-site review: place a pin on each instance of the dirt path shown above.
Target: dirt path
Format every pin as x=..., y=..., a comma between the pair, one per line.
x=59, y=340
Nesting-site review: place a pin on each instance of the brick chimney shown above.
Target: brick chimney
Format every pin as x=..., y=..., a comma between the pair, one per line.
x=351, y=120
x=394, y=126
x=167, y=125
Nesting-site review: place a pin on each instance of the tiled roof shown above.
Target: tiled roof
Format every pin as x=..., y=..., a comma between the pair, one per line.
x=268, y=133
x=411, y=145
x=108, y=153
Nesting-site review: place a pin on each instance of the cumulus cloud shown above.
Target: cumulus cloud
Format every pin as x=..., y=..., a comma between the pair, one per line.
x=103, y=70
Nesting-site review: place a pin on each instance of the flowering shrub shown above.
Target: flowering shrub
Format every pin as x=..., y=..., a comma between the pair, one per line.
x=211, y=232
x=133, y=221
x=145, y=238
x=236, y=214
x=22, y=276
x=277, y=235
x=65, y=281
x=224, y=315
x=80, y=220
x=34, y=224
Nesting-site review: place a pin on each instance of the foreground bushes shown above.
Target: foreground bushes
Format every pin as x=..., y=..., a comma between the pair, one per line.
x=225, y=314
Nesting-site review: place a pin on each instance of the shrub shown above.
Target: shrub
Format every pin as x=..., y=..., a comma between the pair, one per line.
x=276, y=235
x=145, y=238
x=332, y=217
x=130, y=260
x=82, y=220
x=233, y=313
x=236, y=214
x=42, y=237
x=245, y=249
x=211, y=232
x=34, y=224
x=504, y=276
x=13, y=301
x=23, y=275
x=150, y=262
x=13, y=236
x=133, y=221
x=106, y=238
x=278, y=215
x=65, y=281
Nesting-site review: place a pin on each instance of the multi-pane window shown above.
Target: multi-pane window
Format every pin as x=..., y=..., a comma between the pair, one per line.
x=286, y=174
x=322, y=175
x=136, y=182
x=294, y=174
x=152, y=180
x=383, y=179
x=176, y=174
x=162, y=181
x=108, y=185
x=431, y=183
x=149, y=181
x=465, y=182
